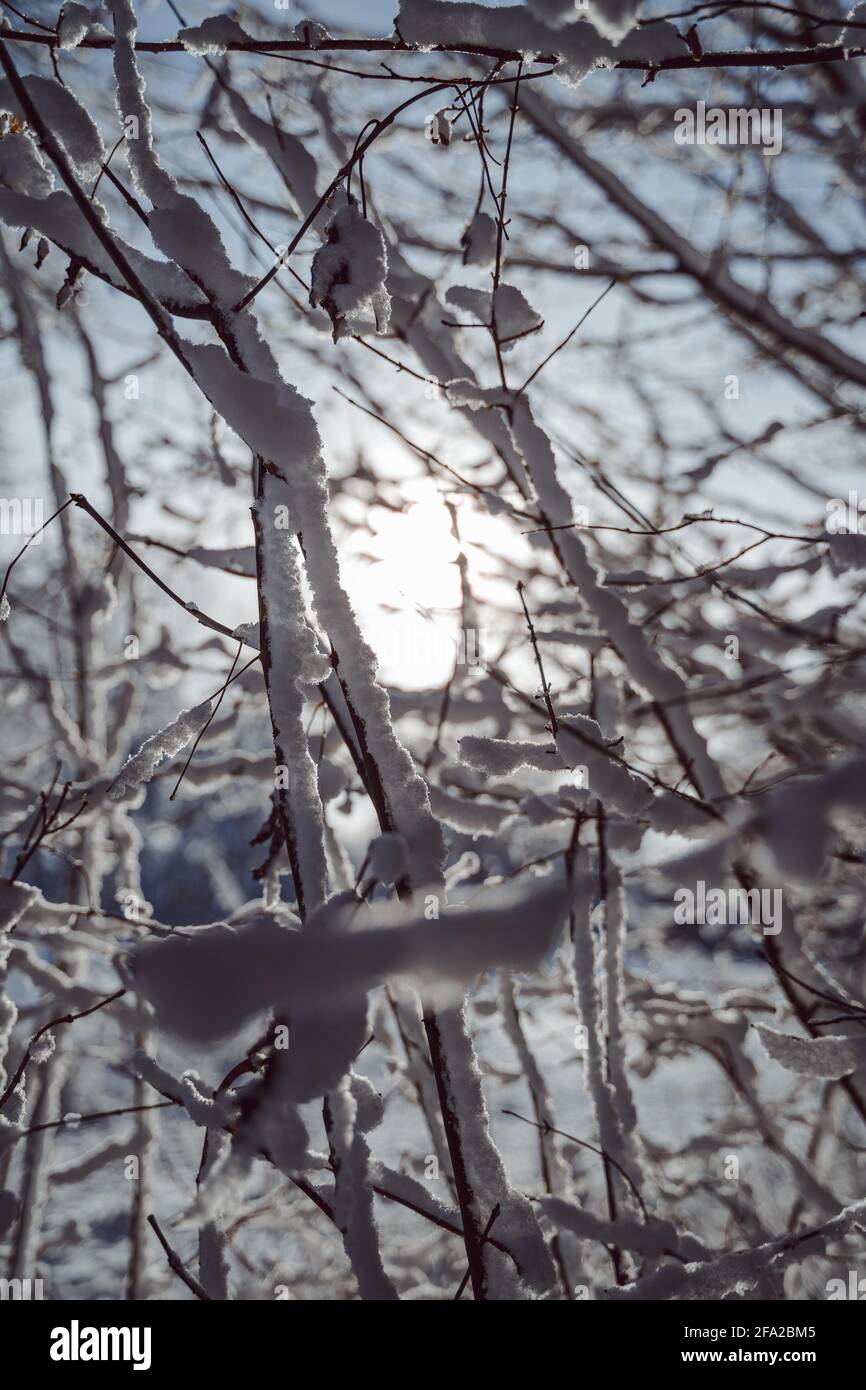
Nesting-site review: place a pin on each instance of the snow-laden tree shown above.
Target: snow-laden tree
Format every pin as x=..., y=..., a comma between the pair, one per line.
x=433, y=649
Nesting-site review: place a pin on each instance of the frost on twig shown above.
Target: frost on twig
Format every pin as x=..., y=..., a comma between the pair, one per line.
x=166, y=743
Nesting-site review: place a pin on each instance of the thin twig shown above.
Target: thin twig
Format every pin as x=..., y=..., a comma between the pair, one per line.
x=176, y=1263
x=554, y=726
x=46, y=1027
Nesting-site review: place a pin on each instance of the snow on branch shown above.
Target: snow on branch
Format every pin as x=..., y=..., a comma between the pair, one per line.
x=827, y=1057
x=208, y=982
x=735, y=1274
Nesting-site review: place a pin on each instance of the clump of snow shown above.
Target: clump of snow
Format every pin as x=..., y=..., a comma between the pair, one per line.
x=370, y=1103
x=275, y=421
x=248, y=633
x=439, y=128
x=184, y=233
x=514, y=316
x=65, y=117
x=353, y=1196
x=213, y=35
x=499, y=757
x=473, y=816
x=429, y=23
x=388, y=858
x=554, y=11
x=467, y=866
x=166, y=743
x=57, y=218
x=613, y=18
x=581, y=744
x=463, y=391
x=827, y=1057
x=311, y=32
x=73, y=24
x=795, y=819
x=651, y=1238
x=579, y=46
x=738, y=1272
x=43, y=1048
x=15, y=899
x=349, y=271
x=847, y=549
x=209, y=1113
x=207, y=983
x=478, y=240
x=325, y=1039
x=652, y=44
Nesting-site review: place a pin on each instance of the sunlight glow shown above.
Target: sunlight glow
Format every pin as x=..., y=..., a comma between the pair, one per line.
x=414, y=594
x=409, y=597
